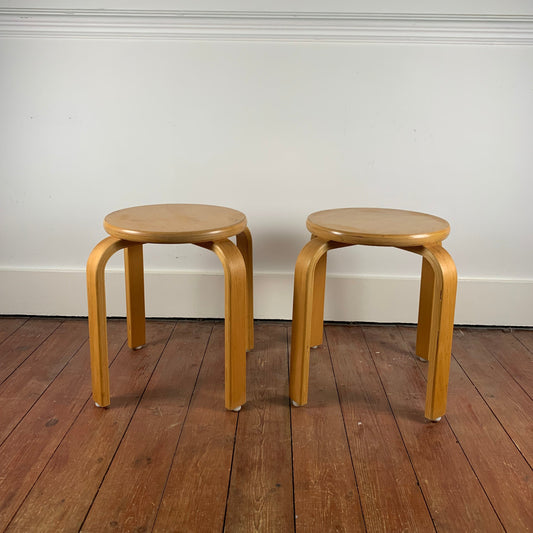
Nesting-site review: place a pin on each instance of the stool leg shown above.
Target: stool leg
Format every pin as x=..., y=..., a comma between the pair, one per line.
x=236, y=325
x=440, y=326
x=97, y=316
x=302, y=314
x=319, y=292
x=244, y=244
x=133, y=263
x=425, y=312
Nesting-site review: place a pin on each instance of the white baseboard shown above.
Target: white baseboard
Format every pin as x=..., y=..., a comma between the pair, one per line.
x=506, y=302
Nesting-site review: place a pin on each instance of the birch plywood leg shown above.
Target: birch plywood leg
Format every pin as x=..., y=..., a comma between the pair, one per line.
x=133, y=263
x=319, y=291
x=97, y=316
x=236, y=325
x=304, y=284
x=425, y=312
x=440, y=326
x=244, y=243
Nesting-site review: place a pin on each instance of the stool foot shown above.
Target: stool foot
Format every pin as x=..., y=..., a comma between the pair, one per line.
x=98, y=405
x=237, y=409
x=435, y=419
x=421, y=359
x=295, y=404
x=315, y=346
x=139, y=347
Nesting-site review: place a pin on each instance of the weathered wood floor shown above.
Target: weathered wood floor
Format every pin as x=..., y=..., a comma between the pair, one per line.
x=167, y=457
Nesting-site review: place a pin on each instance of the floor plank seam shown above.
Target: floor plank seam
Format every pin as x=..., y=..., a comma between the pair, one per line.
x=475, y=473
x=43, y=391
x=139, y=399
x=345, y=429
x=447, y=421
x=492, y=412
x=230, y=471
x=408, y=351
x=14, y=331
x=523, y=343
x=60, y=442
x=164, y=488
x=287, y=344
x=31, y=353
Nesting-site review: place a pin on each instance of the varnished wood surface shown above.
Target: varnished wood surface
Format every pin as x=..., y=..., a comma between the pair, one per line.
x=175, y=223
x=378, y=227
x=167, y=456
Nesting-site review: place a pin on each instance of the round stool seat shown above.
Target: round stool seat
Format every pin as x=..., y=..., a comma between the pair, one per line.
x=175, y=223
x=378, y=227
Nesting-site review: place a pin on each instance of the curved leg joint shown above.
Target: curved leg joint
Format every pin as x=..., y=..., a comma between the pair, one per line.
x=437, y=308
x=236, y=327
x=302, y=315
x=97, y=315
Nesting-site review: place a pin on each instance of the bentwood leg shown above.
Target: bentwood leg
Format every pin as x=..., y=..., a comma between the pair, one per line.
x=244, y=243
x=133, y=263
x=236, y=324
x=304, y=284
x=441, y=326
x=97, y=316
x=425, y=312
x=319, y=291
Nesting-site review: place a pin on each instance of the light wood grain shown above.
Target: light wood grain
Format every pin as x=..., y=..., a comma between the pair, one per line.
x=97, y=315
x=175, y=223
x=134, y=274
x=244, y=244
x=442, y=305
x=204, y=225
x=380, y=227
x=235, y=322
x=304, y=281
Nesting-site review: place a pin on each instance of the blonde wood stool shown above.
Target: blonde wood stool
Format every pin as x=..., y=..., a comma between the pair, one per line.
x=414, y=232
x=203, y=225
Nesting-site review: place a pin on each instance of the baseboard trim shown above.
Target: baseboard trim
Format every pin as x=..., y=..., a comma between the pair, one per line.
x=505, y=302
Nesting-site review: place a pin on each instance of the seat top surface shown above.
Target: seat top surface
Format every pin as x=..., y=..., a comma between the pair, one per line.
x=175, y=223
x=378, y=227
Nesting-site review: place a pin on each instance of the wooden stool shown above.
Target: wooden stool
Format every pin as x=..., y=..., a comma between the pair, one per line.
x=203, y=225
x=411, y=231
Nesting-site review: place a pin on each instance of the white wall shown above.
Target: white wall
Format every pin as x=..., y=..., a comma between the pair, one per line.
x=276, y=116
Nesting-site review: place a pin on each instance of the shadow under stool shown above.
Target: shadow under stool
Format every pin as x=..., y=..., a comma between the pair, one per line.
x=207, y=226
x=411, y=231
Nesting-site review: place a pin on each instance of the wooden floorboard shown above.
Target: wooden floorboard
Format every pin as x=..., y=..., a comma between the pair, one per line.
x=326, y=496
x=166, y=456
x=390, y=494
x=65, y=489
x=27, y=450
x=260, y=494
x=135, y=481
x=9, y=325
x=196, y=491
